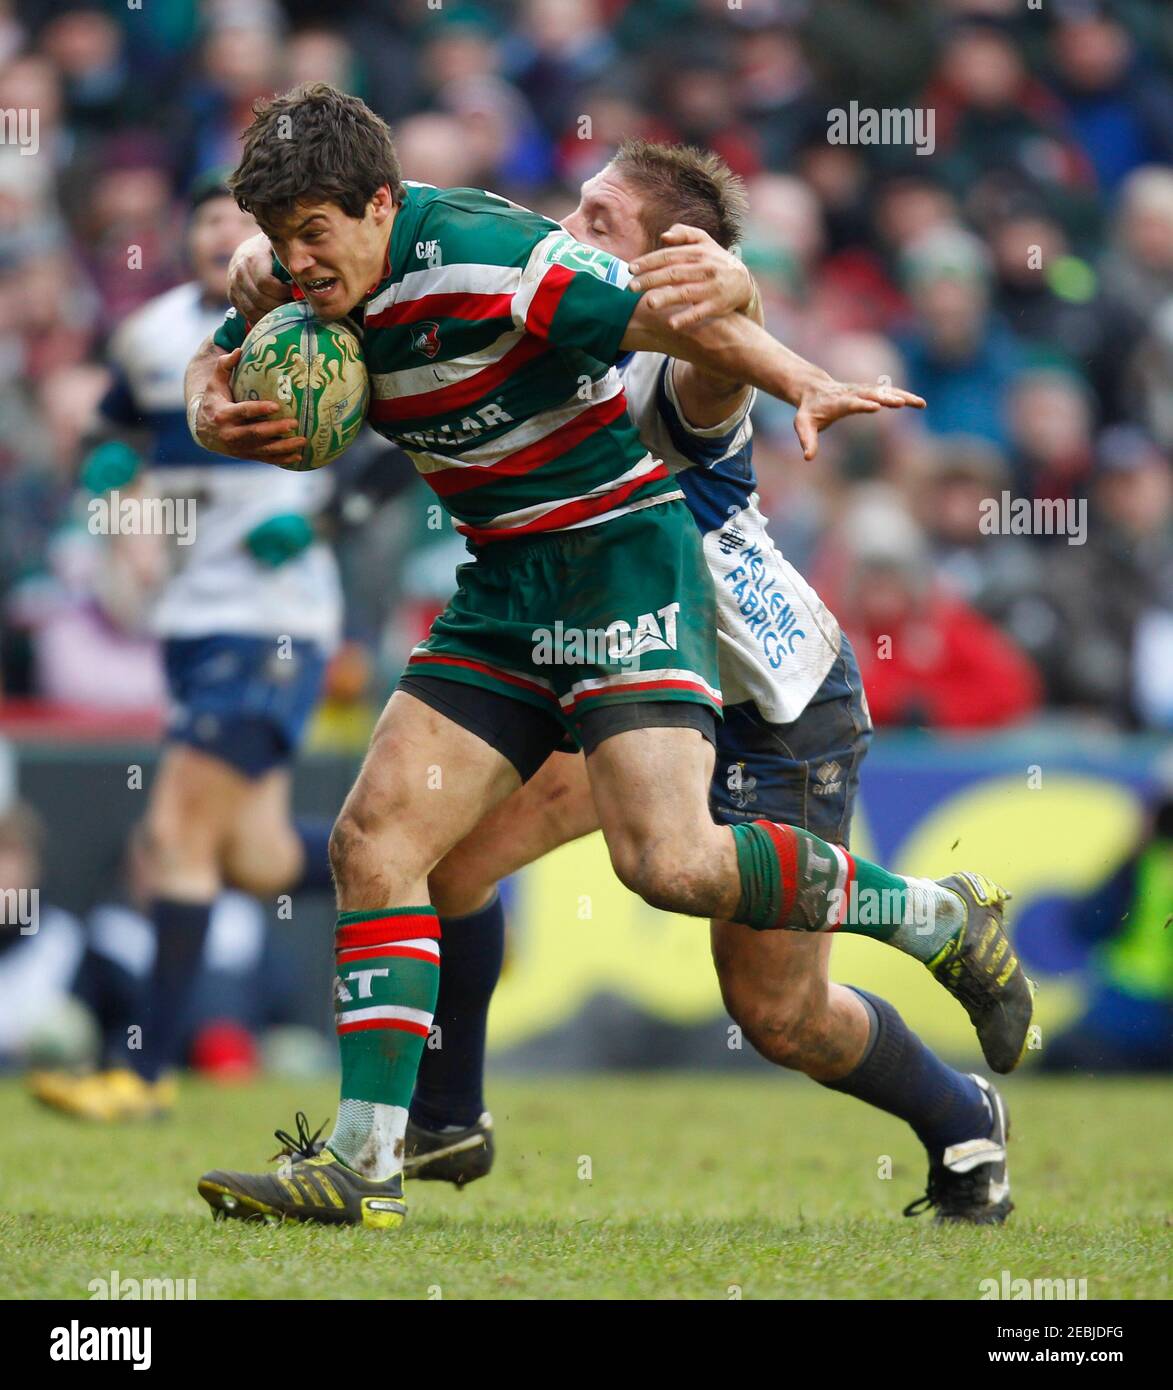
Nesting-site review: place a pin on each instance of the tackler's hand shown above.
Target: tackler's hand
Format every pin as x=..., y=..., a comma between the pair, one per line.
x=691, y=278
x=827, y=400
x=253, y=289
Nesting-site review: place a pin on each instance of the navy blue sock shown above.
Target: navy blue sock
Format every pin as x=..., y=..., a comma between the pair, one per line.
x=449, y=1089
x=314, y=834
x=180, y=932
x=899, y=1074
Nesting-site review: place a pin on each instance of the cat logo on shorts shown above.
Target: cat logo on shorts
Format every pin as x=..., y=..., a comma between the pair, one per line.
x=426, y=339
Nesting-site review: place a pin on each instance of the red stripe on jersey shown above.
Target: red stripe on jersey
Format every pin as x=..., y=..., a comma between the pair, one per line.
x=401, y=1025
x=785, y=843
x=370, y=952
x=429, y=404
x=381, y=931
x=644, y=685
x=561, y=441
x=429, y=658
x=582, y=509
x=444, y=306
x=545, y=302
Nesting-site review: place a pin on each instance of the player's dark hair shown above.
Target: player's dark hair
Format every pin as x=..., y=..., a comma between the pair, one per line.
x=314, y=144
x=684, y=184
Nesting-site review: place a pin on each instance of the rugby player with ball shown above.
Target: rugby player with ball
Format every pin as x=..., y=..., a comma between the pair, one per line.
x=511, y=408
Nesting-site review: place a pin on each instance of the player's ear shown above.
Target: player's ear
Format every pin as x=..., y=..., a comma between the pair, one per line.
x=382, y=205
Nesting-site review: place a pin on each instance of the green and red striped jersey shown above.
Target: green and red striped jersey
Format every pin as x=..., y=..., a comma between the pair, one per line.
x=490, y=342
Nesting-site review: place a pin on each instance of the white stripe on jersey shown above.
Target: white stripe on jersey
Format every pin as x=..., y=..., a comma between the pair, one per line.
x=536, y=270
x=508, y=520
x=627, y=509
x=466, y=277
x=526, y=433
x=540, y=264
x=434, y=376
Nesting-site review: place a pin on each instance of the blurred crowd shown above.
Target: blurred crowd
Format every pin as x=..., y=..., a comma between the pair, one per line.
x=1020, y=277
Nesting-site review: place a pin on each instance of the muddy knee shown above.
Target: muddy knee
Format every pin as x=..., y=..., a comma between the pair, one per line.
x=348, y=847
x=664, y=874
x=787, y=1029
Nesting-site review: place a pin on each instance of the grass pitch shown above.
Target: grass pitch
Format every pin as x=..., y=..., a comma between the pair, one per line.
x=639, y=1187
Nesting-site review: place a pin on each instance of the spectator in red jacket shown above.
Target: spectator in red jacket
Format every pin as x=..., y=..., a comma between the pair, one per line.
x=927, y=658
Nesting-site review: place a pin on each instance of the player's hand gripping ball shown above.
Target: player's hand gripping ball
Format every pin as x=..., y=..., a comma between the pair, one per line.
x=314, y=370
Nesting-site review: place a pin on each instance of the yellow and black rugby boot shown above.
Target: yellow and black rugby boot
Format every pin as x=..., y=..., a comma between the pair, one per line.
x=106, y=1097
x=979, y=968
x=310, y=1185
x=458, y=1155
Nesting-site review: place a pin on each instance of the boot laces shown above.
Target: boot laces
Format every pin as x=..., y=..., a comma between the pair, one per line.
x=305, y=1145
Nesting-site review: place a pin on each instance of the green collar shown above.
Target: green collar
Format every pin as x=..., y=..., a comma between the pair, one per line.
x=402, y=236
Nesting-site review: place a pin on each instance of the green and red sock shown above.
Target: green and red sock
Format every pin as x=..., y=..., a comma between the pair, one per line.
x=388, y=975
x=793, y=880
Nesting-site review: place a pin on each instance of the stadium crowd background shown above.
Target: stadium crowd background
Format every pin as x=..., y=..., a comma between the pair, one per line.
x=1020, y=277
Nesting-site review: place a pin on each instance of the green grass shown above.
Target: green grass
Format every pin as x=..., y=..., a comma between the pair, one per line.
x=697, y=1184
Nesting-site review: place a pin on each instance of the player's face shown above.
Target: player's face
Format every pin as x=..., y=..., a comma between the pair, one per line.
x=335, y=259
x=217, y=229
x=608, y=216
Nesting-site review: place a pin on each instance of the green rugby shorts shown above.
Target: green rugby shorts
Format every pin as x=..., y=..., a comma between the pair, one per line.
x=574, y=621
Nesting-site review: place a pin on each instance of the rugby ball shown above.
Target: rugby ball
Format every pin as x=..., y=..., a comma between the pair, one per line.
x=314, y=370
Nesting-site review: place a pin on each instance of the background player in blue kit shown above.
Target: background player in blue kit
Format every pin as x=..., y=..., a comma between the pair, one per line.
x=248, y=615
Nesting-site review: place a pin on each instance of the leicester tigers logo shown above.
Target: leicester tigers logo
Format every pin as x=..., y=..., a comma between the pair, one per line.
x=426, y=339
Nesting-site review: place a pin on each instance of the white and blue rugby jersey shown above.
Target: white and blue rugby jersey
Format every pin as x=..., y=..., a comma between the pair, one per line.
x=776, y=639
x=216, y=585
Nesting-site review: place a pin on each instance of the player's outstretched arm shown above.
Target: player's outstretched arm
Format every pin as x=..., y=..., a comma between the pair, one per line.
x=241, y=429
x=734, y=346
x=253, y=289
